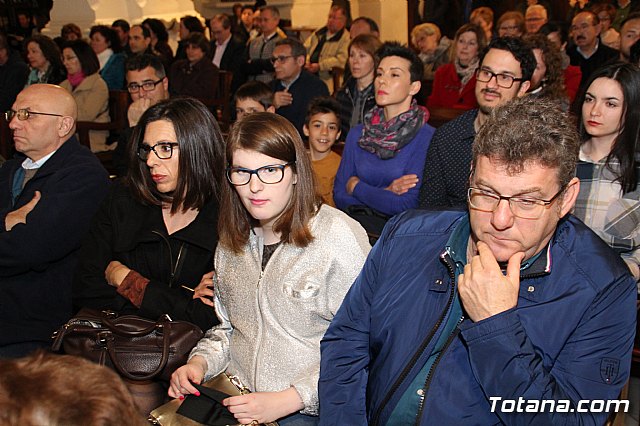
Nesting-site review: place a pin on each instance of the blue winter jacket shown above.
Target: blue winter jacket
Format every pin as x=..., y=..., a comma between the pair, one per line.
x=569, y=338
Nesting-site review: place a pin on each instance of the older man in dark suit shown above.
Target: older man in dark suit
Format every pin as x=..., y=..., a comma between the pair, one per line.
x=48, y=195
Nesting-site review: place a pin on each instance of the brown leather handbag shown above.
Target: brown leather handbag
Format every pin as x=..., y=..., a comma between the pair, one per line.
x=137, y=348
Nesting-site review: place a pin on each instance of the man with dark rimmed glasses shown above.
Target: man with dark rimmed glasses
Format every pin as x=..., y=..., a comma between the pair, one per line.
x=147, y=84
x=48, y=194
x=504, y=74
x=478, y=317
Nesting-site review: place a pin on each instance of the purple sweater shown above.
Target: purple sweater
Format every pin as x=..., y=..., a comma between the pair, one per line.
x=376, y=174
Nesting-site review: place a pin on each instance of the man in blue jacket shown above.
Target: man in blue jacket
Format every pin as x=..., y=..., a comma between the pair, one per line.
x=48, y=194
x=512, y=313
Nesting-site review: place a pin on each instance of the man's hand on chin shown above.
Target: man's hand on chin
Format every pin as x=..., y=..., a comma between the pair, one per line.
x=484, y=290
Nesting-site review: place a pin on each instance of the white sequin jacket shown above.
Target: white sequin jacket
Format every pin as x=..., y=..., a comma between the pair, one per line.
x=274, y=319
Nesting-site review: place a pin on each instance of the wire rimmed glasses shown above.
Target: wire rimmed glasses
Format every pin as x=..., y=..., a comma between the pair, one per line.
x=522, y=207
x=23, y=114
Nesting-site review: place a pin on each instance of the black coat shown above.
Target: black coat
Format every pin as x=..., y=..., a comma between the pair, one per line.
x=135, y=235
x=38, y=259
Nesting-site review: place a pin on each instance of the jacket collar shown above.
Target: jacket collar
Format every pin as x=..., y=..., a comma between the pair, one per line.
x=202, y=232
x=336, y=37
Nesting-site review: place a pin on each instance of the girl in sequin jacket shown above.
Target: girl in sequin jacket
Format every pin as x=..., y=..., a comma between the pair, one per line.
x=283, y=265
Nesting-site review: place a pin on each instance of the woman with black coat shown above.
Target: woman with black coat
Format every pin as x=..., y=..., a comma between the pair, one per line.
x=150, y=249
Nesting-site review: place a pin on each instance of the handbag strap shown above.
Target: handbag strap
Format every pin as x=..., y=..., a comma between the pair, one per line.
x=161, y=365
x=130, y=333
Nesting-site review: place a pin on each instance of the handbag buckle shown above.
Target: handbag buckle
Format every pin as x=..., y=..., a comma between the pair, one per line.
x=235, y=381
x=103, y=337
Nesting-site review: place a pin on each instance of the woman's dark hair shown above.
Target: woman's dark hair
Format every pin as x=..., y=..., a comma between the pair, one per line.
x=555, y=27
x=192, y=23
x=87, y=57
x=625, y=146
x=200, y=41
x=109, y=34
x=49, y=49
x=200, y=163
x=274, y=136
x=393, y=48
x=158, y=28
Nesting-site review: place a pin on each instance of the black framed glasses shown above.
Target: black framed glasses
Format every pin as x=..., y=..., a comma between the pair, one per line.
x=522, y=207
x=273, y=173
x=23, y=114
x=280, y=58
x=147, y=86
x=163, y=150
x=503, y=80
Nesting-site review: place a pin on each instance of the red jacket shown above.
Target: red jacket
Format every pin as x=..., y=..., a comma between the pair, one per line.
x=446, y=90
x=572, y=78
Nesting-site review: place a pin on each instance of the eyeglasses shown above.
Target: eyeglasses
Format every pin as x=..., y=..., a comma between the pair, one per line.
x=503, y=80
x=508, y=28
x=273, y=173
x=534, y=19
x=522, y=207
x=147, y=86
x=163, y=150
x=23, y=114
x=279, y=59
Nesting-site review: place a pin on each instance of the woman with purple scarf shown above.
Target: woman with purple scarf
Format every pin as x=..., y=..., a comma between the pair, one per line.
x=381, y=168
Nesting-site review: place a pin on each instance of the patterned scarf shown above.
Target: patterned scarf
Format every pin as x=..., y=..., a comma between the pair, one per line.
x=465, y=73
x=386, y=138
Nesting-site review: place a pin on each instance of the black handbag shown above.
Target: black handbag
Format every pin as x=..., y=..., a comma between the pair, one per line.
x=139, y=349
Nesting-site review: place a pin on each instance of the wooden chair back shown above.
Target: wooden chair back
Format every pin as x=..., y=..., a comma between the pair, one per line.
x=221, y=106
x=6, y=139
x=439, y=116
x=337, y=73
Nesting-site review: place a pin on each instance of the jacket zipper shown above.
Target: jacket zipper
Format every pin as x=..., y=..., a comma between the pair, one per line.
x=260, y=335
x=174, y=266
x=427, y=382
x=456, y=331
x=403, y=375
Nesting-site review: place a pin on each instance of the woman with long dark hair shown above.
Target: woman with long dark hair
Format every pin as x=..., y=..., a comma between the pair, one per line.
x=284, y=264
x=609, y=167
x=43, y=57
x=150, y=249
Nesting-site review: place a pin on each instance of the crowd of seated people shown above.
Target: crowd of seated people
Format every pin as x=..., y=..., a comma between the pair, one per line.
x=271, y=221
